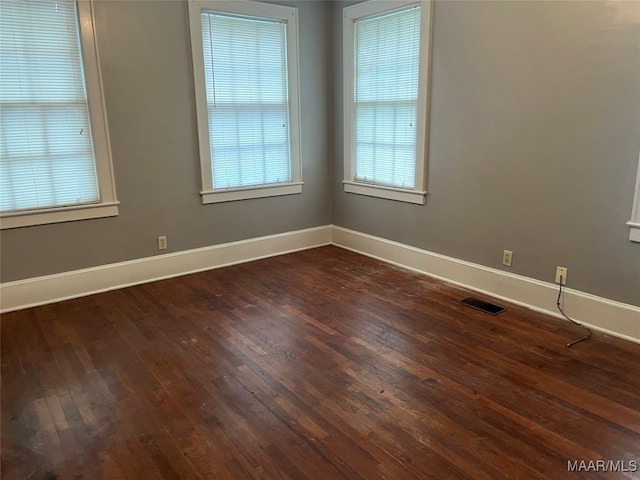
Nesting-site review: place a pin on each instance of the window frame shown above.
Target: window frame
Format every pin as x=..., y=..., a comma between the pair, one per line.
x=634, y=223
x=351, y=185
x=107, y=206
x=289, y=15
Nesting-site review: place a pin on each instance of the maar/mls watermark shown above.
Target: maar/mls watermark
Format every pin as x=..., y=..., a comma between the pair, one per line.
x=602, y=466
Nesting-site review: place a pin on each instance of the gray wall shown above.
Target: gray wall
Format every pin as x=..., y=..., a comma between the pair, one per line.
x=534, y=141
x=148, y=85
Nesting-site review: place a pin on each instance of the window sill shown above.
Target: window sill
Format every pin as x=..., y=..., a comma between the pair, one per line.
x=232, y=195
x=390, y=193
x=634, y=233
x=58, y=215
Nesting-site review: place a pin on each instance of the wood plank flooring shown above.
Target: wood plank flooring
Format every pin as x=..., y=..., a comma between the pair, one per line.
x=322, y=364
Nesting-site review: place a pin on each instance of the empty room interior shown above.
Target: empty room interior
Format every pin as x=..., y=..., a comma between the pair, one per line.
x=304, y=239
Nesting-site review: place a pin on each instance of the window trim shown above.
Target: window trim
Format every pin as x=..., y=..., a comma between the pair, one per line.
x=351, y=185
x=254, y=9
x=634, y=223
x=108, y=204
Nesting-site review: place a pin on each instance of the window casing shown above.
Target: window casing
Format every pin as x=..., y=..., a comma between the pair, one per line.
x=634, y=223
x=245, y=61
x=55, y=160
x=386, y=46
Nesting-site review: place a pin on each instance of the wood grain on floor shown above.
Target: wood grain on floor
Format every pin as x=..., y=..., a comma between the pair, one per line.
x=322, y=364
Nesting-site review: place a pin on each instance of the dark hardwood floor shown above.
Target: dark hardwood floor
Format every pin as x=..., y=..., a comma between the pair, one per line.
x=321, y=364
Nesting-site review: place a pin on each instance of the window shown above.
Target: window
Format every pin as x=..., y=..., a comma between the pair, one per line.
x=634, y=223
x=386, y=61
x=245, y=60
x=55, y=163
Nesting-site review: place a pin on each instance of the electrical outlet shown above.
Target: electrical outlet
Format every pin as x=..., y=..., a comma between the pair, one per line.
x=162, y=243
x=561, y=275
x=507, y=257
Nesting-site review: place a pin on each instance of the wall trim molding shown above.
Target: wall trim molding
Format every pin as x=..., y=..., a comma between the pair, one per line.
x=608, y=316
x=46, y=289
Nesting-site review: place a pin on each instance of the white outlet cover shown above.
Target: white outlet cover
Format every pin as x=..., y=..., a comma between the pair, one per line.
x=561, y=275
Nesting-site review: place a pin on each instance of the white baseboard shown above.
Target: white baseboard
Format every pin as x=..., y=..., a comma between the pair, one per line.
x=608, y=316
x=78, y=283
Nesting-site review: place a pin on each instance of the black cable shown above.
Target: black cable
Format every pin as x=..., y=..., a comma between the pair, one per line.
x=570, y=344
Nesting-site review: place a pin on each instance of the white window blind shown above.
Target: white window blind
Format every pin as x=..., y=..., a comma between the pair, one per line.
x=245, y=67
x=386, y=75
x=46, y=149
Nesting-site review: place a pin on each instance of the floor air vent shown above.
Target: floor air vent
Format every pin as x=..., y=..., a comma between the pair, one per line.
x=483, y=306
